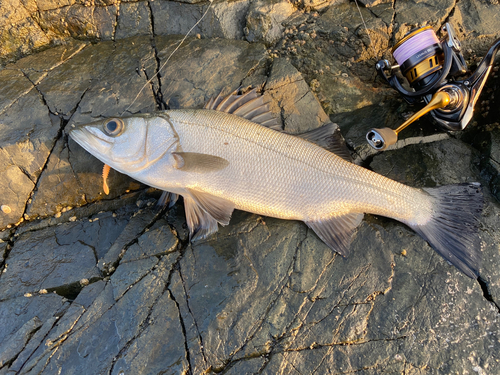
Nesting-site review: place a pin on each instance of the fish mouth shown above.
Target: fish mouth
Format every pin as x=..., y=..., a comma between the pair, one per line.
x=90, y=141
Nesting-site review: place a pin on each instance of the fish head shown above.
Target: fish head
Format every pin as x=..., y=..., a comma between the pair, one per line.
x=127, y=144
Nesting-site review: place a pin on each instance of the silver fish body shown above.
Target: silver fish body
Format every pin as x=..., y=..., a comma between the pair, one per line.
x=279, y=175
x=219, y=161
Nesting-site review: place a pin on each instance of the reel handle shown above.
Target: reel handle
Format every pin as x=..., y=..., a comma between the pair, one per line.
x=380, y=139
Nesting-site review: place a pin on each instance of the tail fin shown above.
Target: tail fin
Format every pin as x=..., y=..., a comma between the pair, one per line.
x=453, y=229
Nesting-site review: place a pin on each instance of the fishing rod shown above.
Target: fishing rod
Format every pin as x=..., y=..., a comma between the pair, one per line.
x=431, y=68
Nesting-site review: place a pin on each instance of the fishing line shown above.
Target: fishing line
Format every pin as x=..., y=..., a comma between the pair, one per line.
x=406, y=48
x=165, y=63
x=366, y=28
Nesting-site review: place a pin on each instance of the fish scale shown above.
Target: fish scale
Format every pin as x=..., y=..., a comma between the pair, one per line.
x=298, y=174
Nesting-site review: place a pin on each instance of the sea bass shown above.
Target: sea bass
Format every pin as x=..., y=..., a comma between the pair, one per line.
x=227, y=156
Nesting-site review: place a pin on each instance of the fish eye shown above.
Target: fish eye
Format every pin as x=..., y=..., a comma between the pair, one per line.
x=114, y=127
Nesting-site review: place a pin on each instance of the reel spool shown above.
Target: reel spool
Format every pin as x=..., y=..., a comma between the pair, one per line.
x=430, y=67
x=419, y=56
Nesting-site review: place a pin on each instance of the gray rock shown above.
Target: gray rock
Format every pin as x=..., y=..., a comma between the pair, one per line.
x=161, y=339
x=336, y=55
x=26, y=145
x=72, y=21
x=292, y=96
x=112, y=285
x=134, y=58
x=20, y=318
x=372, y=3
x=317, y=4
x=38, y=261
x=226, y=62
x=13, y=344
x=121, y=323
x=223, y=19
x=134, y=19
x=421, y=12
x=158, y=240
x=16, y=189
x=136, y=225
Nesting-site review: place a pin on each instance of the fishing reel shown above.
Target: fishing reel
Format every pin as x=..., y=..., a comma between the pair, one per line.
x=431, y=68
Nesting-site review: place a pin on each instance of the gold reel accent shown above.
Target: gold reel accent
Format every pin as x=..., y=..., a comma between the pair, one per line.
x=426, y=67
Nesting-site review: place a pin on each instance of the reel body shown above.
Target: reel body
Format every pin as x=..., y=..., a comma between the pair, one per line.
x=431, y=68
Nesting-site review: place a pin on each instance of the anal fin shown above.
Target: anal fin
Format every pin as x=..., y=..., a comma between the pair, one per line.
x=337, y=231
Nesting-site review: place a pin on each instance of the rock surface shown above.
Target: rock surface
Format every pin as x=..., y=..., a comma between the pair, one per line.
x=110, y=284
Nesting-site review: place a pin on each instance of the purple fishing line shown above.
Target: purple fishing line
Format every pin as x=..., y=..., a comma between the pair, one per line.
x=414, y=45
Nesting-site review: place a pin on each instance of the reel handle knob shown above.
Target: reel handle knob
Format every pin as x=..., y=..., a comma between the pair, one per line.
x=380, y=139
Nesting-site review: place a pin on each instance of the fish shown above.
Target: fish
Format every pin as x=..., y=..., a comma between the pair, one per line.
x=232, y=155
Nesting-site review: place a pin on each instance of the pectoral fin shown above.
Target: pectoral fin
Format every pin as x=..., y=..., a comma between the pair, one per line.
x=204, y=211
x=198, y=163
x=337, y=231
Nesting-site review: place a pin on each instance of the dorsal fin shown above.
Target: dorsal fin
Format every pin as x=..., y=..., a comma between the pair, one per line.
x=250, y=105
x=329, y=137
